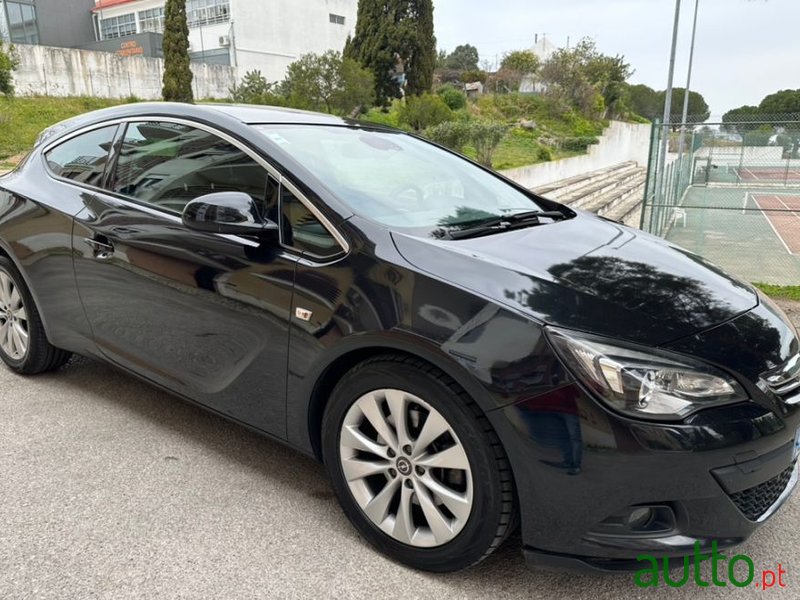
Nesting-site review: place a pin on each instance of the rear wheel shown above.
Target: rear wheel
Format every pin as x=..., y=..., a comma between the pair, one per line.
x=416, y=465
x=23, y=343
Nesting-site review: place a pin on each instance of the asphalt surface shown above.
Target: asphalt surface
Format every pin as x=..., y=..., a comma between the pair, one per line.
x=110, y=488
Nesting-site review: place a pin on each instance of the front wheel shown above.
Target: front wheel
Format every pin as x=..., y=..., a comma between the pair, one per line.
x=416, y=465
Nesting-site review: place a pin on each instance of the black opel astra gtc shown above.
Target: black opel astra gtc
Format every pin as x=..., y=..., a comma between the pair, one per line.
x=464, y=356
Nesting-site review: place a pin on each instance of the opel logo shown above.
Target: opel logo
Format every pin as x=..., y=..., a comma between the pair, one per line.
x=403, y=466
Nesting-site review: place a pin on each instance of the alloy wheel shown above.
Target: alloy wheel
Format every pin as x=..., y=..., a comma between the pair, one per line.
x=406, y=468
x=13, y=319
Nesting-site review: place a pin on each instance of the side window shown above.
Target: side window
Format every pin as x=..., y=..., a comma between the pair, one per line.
x=166, y=165
x=83, y=158
x=303, y=231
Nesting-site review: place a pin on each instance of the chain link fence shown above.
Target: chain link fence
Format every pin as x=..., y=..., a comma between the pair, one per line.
x=731, y=193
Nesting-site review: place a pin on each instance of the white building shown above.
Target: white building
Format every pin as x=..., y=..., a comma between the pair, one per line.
x=544, y=49
x=267, y=35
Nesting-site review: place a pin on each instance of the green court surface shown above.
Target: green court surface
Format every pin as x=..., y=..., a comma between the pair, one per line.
x=729, y=227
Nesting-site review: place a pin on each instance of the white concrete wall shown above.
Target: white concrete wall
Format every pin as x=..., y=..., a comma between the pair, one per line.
x=269, y=36
x=620, y=142
x=67, y=72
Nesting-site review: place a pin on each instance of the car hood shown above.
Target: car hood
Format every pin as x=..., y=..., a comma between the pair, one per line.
x=589, y=274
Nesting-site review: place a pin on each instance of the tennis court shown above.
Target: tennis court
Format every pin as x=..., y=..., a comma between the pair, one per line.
x=787, y=173
x=751, y=233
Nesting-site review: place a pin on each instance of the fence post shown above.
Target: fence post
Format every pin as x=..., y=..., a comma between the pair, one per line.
x=786, y=175
x=651, y=178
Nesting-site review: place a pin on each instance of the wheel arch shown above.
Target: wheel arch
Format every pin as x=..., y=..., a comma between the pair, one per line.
x=325, y=378
x=6, y=252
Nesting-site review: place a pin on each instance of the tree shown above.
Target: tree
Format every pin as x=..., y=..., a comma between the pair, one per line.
x=515, y=66
x=568, y=82
x=253, y=89
x=393, y=33
x=590, y=81
x=698, y=108
x=177, y=74
x=421, y=65
x=645, y=101
x=9, y=61
x=520, y=61
x=785, y=102
x=741, y=120
x=463, y=58
x=328, y=82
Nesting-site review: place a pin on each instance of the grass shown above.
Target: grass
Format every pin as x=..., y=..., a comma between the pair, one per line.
x=23, y=119
x=788, y=292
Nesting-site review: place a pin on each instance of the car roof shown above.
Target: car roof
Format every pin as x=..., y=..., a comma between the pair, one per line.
x=222, y=114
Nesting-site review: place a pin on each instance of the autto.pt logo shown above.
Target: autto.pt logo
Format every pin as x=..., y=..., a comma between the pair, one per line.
x=737, y=571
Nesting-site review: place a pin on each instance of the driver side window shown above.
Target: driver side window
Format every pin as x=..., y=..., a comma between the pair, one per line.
x=166, y=165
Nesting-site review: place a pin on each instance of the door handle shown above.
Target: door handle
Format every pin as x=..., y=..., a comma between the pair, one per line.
x=101, y=247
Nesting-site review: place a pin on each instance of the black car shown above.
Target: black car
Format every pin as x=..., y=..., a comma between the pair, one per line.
x=465, y=356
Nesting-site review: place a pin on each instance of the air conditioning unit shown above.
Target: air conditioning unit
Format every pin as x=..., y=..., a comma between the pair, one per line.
x=224, y=41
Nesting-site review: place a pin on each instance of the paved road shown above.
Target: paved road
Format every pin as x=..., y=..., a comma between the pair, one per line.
x=112, y=489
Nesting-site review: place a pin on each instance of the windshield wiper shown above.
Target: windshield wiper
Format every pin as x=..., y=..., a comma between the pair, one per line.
x=506, y=223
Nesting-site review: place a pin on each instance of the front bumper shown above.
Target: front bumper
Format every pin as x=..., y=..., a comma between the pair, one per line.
x=721, y=478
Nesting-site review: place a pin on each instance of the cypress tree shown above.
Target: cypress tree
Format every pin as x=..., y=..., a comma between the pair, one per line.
x=177, y=74
x=386, y=29
x=423, y=62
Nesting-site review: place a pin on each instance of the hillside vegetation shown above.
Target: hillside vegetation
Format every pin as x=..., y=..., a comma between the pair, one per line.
x=22, y=119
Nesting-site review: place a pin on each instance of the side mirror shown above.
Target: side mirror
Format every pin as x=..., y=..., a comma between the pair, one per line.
x=225, y=212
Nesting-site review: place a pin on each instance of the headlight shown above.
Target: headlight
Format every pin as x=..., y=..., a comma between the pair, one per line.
x=645, y=384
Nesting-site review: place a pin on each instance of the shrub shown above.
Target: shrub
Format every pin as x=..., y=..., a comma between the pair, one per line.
x=9, y=61
x=252, y=89
x=452, y=134
x=485, y=136
x=427, y=110
x=578, y=144
x=543, y=154
x=454, y=98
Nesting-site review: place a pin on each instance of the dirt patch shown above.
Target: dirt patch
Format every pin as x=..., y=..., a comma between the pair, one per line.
x=791, y=308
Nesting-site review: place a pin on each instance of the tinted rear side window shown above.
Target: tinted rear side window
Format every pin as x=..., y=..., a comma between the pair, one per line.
x=83, y=158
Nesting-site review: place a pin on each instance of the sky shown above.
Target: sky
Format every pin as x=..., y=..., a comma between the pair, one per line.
x=745, y=49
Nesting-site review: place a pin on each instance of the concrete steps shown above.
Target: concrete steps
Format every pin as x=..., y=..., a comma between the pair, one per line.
x=615, y=192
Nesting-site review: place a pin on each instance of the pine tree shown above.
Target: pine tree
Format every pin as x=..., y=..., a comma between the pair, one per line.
x=390, y=29
x=177, y=74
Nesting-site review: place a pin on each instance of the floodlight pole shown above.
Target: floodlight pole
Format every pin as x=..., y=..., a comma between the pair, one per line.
x=662, y=159
x=688, y=85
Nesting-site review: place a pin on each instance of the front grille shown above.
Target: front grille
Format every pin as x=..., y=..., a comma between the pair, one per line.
x=785, y=380
x=756, y=501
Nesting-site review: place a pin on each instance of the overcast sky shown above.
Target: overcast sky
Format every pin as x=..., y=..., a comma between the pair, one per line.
x=745, y=49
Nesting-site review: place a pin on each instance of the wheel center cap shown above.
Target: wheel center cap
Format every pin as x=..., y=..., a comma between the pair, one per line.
x=404, y=466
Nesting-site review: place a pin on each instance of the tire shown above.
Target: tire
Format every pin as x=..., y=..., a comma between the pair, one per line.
x=451, y=480
x=23, y=343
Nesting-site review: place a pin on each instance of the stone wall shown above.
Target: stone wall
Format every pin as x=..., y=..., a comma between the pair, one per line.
x=49, y=71
x=620, y=142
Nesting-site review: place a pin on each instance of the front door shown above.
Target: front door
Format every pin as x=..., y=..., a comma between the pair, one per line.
x=202, y=314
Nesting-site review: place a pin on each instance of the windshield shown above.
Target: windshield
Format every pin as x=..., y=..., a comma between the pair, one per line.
x=398, y=180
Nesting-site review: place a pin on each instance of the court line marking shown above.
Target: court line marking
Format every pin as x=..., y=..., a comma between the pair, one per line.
x=772, y=225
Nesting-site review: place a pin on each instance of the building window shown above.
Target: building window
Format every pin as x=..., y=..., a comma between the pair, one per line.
x=22, y=23
x=151, y=20
x=115, y=27
x=207, y=12
x=338, y=19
